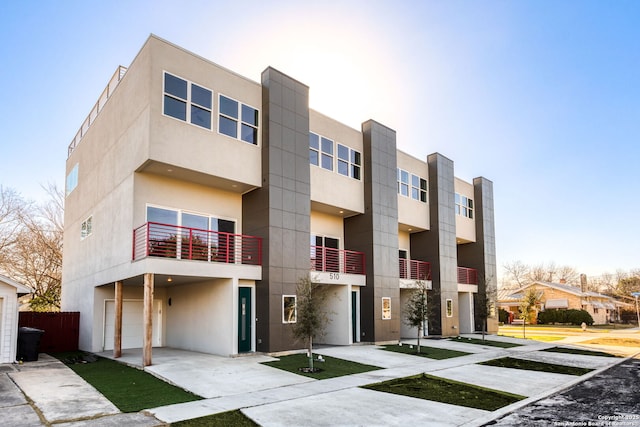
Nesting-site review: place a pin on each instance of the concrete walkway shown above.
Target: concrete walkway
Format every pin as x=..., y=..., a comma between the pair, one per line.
x=49, y=392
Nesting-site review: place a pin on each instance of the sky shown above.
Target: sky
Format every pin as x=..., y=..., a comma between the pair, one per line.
x=541, y=97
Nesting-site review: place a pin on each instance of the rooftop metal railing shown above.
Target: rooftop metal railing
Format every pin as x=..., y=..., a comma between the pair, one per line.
x=414, y=270
x=106, y=94
x=336, y=260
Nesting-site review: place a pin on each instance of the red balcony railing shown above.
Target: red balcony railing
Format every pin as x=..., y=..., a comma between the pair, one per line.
x=467, y=276
x=336, y=260
x=169, y=241
x=414, y=270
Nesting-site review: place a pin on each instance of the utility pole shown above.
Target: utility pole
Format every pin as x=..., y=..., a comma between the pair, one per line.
x=637, y=294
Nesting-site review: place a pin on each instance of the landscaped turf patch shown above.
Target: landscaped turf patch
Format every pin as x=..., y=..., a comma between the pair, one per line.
x=223, y=419
x=491, y=343
x=430, y=352
x=621, y=342
x=443, y=390
x=330, y=368
x=579, y=351
x=530, y=365
x=130, y=389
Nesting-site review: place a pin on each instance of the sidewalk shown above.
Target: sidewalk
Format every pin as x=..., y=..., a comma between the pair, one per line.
x=277, y=398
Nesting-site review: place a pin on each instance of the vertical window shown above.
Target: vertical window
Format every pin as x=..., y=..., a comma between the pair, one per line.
x=238, y=120
x=348, y=162
x=464, y=206
x=289, y=309
x=386, y=308
x=72, y=179
x=314, y=149
x=449, y=308
x=418, y=188
x=187, y=101
x=403, y=182
x=326, y=148
x=87, y=228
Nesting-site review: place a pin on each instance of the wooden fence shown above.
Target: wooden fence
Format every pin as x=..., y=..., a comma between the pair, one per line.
x=60, y=329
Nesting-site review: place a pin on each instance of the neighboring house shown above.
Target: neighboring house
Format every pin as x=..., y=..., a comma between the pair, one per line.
x=197, y=199
x=9, y=293
x=601, y=307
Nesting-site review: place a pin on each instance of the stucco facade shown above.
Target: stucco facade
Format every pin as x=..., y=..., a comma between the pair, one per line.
x=197, y=199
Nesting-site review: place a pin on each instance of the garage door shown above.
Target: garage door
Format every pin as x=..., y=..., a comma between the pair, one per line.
x=132, y=324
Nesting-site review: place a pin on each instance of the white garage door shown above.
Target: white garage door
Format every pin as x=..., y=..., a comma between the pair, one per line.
x=132, y=324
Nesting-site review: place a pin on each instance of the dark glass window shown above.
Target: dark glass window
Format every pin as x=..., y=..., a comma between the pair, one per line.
x=228, y=127
x=201, y=96
x=175, y=108
x=314, y=141
x=228, y=107
x=249, y=134
x=175, y=86
x=249, y=115
x=313, y=157
x=201, y=117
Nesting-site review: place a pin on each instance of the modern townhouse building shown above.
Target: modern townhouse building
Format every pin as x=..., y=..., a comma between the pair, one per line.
x=197, y=199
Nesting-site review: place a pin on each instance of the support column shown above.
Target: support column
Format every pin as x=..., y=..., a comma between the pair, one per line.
x=117, y=335
x=147, y=321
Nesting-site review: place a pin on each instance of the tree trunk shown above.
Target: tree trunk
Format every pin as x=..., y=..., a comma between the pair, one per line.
x=311, y=353
x=419, y=333
x=484, y=327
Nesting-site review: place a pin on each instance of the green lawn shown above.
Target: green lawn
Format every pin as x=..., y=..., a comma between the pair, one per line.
x=223, y=419
x=130, y=389
x=330, y=368
x=500, y=344
x=530, y=365
x=430, y=352
x=579, y=351
x=443, y=390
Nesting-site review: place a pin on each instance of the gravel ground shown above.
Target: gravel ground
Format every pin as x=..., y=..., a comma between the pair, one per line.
x=611, y=398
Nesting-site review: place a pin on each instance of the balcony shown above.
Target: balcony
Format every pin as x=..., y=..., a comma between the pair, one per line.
x=336, y=260
x=169, y=241
x=414, y=270
x=467, y=276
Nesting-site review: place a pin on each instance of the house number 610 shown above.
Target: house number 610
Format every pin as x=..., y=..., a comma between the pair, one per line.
x=334, y=276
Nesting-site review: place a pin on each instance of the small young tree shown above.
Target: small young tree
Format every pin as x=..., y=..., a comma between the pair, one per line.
x=529, y=300
x=416, y=311
x=311, y=318
x=486, y=299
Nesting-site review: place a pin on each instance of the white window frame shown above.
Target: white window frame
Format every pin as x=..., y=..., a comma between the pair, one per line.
x=418, y=189
x=295, y=309
x=86, y=228
x=404, y=184
x=386, y=308
x=350, y=164
x=187, y=101
x=238, y=120
x=464, y=205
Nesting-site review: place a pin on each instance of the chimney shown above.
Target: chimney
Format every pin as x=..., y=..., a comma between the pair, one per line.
x=563, y=281
x=583, y=282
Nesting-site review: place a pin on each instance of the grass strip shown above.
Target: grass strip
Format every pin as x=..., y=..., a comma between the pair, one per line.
x=479, y=341
x=530, y=365
x=223, y=419
x=129, y=389
x=579, y=351
x=331, y=367
x=619, y=342
x=430, y=352
x=428, y=387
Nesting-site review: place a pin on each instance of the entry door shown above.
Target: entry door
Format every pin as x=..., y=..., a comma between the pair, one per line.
x=244, y=320
x=354, y=316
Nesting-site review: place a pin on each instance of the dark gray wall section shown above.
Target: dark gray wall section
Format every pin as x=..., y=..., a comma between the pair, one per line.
x=376, y=234
x=279, y=211
x=481, y=254
x=438, y=245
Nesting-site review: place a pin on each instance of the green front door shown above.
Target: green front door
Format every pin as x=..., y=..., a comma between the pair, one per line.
x=244, y=320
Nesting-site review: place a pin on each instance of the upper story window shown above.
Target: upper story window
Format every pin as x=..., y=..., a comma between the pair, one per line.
x=187, y=101
x=320, y=151
x=464, y=206
x=349, y=161
x=238, y=120
x=87, y=228
x=72, y=179
x=410, y=185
